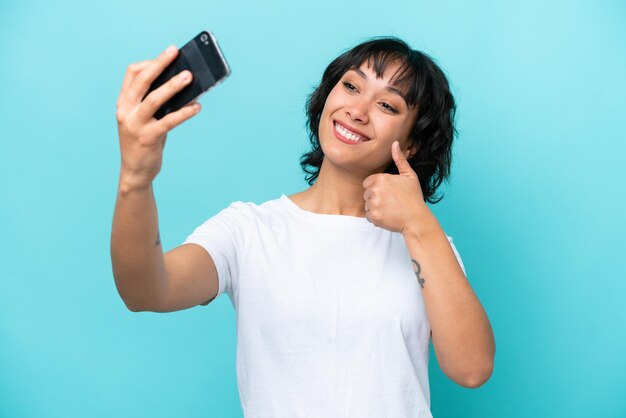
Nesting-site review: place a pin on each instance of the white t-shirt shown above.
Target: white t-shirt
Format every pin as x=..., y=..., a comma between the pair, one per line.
x=330, y=316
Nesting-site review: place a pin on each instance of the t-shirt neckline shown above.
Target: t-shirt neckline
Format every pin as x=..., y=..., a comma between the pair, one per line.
x=324, y=218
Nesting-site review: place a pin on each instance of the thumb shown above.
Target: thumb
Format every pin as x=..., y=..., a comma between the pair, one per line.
x=398, y=157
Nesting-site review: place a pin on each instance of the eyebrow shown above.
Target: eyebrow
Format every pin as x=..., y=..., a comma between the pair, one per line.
x=390, y=89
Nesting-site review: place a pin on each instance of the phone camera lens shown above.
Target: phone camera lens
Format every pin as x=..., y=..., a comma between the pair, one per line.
x=204, y=38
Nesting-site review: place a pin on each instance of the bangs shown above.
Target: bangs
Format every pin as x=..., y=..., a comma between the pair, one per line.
x=405, y=77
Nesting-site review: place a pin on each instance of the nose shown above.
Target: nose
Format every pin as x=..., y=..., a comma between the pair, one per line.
x=358, y=111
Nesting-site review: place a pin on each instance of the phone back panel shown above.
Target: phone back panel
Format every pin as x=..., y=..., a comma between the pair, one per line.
x=204, y=59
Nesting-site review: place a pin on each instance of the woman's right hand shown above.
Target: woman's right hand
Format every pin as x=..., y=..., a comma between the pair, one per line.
x=142, y=137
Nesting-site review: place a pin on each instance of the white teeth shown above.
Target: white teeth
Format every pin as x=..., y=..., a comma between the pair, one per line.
x=348, y=134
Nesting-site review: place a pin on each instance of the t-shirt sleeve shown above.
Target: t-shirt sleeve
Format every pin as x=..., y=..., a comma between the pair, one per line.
x=223, y=237
x=456, y=253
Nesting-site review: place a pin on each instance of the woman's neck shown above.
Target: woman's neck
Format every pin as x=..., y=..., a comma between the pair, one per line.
x=335, y=192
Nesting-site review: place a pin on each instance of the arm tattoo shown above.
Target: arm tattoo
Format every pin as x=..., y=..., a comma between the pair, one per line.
x=418, y=269
x=158, y=239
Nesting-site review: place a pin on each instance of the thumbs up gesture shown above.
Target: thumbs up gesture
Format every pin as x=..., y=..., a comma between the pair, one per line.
x=395, y=201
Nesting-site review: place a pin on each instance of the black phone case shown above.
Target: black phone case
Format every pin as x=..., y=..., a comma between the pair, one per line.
x=203, y=57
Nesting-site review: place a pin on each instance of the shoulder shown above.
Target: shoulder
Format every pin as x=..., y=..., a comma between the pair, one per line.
x=264, y=212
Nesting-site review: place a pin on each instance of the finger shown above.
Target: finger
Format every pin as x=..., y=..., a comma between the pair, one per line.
x=158, y=97
x=367, y=213
x=369, y=180
x=172, y=120
x=144, y=79
x=367, y=195
x=398, y=157
x=131, y=72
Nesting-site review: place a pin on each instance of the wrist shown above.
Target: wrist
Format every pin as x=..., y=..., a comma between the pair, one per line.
x=421, y=226
x=131, y=184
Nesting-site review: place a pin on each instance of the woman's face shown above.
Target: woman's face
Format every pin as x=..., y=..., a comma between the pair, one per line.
x=362, y=117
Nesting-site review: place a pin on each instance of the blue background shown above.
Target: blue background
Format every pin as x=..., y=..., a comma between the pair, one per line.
x=535, y=205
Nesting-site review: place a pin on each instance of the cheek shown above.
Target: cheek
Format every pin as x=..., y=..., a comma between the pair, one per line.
x=332, y=101
x=325, y=117
x=402, y=128
x=328, y=106
x=391, y=129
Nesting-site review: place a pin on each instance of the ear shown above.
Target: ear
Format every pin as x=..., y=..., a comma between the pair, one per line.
x=410, y=151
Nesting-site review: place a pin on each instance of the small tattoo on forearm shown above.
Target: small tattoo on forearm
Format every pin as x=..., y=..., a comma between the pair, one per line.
x=158, y=239
x=417, y=269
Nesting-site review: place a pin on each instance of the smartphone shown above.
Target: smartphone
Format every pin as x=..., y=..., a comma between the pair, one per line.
x=204, y=58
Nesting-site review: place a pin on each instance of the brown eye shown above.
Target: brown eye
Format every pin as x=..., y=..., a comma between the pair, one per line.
x=349, y=86
x=388, y=107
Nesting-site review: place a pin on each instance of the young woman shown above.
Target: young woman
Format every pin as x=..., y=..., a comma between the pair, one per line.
x=339, y=288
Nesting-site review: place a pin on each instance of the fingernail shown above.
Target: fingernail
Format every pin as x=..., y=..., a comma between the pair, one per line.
x=170, y=50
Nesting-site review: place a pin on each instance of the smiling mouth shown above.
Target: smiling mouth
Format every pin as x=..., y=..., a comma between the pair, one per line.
x=348, y=134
